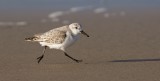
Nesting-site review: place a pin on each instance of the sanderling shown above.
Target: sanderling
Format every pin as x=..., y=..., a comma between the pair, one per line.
x=59, y=38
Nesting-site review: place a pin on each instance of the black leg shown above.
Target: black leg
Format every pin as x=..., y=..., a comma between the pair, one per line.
x=41, y=57
x=72, y=58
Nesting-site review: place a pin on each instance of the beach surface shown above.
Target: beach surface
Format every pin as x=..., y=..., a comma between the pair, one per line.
x=120, y=48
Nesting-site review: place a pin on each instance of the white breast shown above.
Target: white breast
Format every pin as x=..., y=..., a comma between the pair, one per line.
x=70, y=39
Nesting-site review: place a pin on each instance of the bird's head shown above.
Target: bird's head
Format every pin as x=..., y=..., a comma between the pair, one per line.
x=76, y=29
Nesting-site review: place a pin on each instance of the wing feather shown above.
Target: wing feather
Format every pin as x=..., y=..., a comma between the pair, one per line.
x=56, y=36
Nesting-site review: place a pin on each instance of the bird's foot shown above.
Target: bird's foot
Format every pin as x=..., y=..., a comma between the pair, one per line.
x=40, y=58
x=78, y=61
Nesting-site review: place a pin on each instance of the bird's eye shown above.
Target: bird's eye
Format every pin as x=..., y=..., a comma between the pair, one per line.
x=76, y=27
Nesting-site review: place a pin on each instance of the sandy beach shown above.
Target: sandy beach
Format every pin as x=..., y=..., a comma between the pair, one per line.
x=120, y=48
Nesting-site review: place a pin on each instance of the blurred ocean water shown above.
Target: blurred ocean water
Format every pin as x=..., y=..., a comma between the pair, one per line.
x=15, y=12
x=54, y=4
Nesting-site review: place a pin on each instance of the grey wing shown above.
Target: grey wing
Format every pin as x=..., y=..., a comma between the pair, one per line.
x=54, y=36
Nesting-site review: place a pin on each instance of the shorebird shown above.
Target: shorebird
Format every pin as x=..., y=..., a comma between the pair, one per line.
x=59, y=38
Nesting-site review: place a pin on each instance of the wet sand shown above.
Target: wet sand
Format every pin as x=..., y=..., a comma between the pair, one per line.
x=119, y=49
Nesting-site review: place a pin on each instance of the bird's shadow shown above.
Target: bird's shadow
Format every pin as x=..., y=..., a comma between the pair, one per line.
x=137, y=60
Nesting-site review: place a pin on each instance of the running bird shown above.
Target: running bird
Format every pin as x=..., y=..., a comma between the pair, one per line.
x=59, y=38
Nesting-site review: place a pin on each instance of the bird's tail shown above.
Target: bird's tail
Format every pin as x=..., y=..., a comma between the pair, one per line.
x=34, y=38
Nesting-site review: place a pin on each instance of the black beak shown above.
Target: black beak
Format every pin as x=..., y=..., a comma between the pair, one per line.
x=84, y=33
